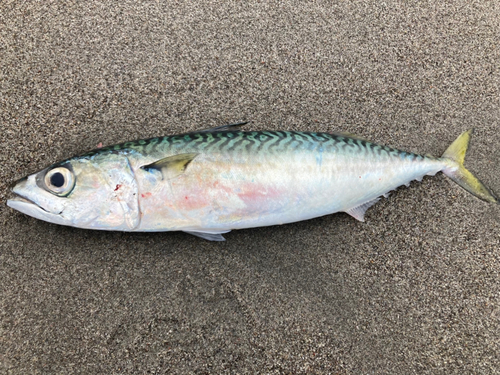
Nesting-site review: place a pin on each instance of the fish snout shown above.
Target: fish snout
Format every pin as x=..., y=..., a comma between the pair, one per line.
x=17, y=182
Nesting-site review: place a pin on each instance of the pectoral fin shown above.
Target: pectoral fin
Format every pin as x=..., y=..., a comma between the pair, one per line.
x=171, y=166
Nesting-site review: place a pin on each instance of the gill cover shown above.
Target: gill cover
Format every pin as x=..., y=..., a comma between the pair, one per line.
x=107, y=184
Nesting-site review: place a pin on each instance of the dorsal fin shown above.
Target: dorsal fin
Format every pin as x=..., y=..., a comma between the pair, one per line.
x=234, y=126
x=171, y=166
x=350, y=135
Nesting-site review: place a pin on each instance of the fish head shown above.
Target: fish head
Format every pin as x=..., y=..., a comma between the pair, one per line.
x=97, y=192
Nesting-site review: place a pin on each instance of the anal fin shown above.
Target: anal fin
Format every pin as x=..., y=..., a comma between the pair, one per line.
x=210, y=236
x=358, y=212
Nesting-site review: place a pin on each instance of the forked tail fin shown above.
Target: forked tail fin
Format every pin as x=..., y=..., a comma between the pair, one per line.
x=455, y=155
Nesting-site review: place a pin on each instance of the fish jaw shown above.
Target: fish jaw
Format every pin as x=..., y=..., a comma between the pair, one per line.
x=31, y=209
x=34, y=202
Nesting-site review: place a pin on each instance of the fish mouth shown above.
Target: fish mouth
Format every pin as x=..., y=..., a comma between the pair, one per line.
x=25, y=200
x=28, y=207
x=28, y=200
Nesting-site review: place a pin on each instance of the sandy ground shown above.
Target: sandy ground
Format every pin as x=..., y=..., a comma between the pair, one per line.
x=414, y=290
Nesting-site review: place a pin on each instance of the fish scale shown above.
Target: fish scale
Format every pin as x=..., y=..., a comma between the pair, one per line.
x=210, y=182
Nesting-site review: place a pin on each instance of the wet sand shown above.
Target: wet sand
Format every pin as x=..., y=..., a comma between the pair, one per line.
x=414, y=289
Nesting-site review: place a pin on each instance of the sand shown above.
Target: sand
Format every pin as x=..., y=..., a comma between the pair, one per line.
x=413, y=290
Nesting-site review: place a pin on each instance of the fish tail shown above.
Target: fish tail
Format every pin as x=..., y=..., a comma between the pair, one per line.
x=454, y=156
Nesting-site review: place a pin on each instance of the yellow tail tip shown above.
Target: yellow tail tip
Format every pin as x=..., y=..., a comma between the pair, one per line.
x=458, y=148
x=455, y=155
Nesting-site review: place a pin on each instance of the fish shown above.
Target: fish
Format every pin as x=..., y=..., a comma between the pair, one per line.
x=210, y=182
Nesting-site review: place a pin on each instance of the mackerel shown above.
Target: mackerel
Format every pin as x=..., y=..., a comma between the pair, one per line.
x=210, y=182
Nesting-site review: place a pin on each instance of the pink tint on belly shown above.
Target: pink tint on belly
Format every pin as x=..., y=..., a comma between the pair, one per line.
x=257, y=193
x=239, y=197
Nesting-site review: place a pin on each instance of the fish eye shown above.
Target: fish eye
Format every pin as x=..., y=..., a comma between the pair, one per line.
x=57, y=179
x=60, y=181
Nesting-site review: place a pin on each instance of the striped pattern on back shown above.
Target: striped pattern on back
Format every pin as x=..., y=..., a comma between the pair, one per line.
x=256, y=142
